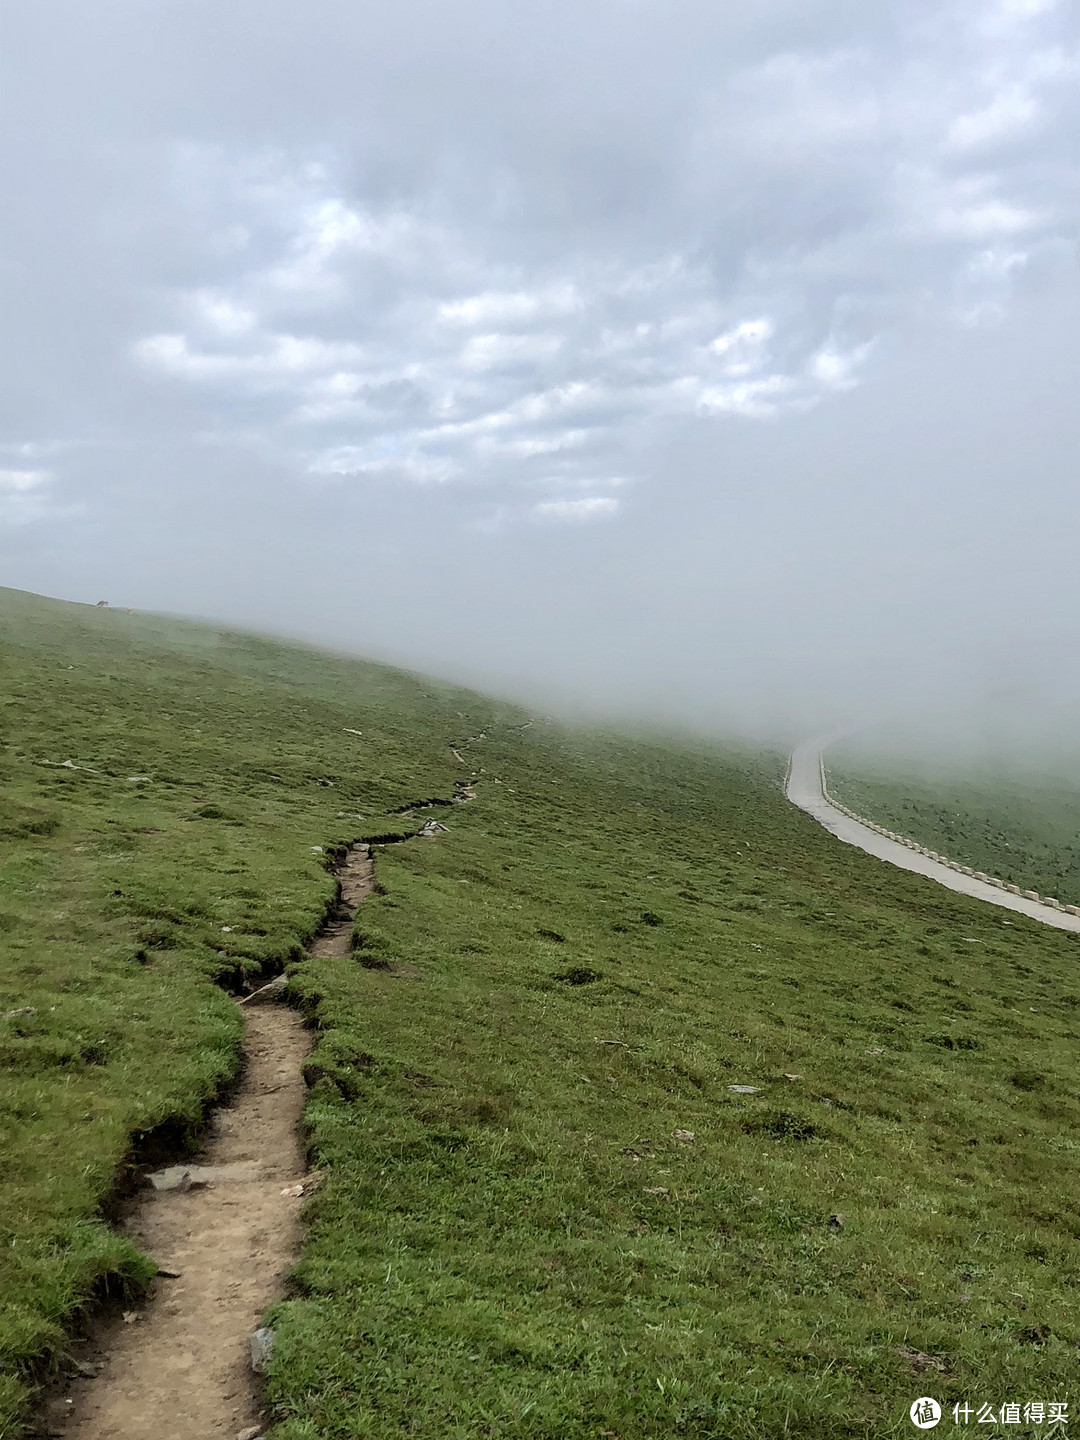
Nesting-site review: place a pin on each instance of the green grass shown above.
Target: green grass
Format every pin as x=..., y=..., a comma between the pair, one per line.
x=114, y=895
x=513, y=1239
x=1022, y=826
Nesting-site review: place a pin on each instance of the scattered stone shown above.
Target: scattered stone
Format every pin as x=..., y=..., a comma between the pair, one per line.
x=876, y=1050
x=293, y=1192
x=655, y=1190
x=919, y=1361
x=262, y=1346
x=266, y=992
x=130, y=1317
x=22, y=1010
x=684, y=1134
x=226, y=929
x=345, y=731
x=744, y=1089
x=191, y=1177
x=312, y=1182
x=837, y=1222
x=253, y=1432
x=138, y=779
x=164, y=1274
x=791, y=1077
x=431, y=828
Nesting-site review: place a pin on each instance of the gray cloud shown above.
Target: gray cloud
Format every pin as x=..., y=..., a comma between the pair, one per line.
x=606, y=297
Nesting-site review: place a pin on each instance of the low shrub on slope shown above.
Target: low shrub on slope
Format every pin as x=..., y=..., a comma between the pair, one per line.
x=645, y=1107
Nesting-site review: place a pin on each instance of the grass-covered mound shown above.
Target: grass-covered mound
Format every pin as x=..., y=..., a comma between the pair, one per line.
x=547, y=1213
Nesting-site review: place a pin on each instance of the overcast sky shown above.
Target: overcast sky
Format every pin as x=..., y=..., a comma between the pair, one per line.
x=721, y=360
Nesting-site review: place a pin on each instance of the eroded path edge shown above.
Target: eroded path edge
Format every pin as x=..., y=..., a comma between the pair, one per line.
x=224, y=1232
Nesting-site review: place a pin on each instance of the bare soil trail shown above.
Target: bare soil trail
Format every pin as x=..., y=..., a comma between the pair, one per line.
x=805, y=788
x=179, y=1365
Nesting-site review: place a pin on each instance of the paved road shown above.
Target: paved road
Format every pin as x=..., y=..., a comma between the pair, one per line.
x=805, y=789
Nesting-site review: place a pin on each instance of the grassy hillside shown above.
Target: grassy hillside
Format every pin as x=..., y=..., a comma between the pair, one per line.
x=1023, y=828
x=209, y=767
x=547, y=1213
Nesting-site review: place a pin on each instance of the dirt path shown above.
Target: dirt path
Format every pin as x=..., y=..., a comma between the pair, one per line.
x=181, y=1368
x=806, y=790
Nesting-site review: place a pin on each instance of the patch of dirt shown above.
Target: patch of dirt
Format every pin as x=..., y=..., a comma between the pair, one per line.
x=179, y=1365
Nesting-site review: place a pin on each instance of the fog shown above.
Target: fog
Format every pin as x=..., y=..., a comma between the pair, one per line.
x=711, y=364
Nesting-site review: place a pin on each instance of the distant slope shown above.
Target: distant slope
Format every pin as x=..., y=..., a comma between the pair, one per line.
x=645, y=1107
x=807, y=788
x=1023, y=828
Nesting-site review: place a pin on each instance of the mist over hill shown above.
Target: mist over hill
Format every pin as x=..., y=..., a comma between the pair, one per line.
x=709, y=365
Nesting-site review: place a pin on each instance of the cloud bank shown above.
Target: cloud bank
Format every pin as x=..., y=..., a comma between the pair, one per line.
x=262, y=263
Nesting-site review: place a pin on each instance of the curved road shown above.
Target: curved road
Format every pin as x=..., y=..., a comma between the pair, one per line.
x=806, y=790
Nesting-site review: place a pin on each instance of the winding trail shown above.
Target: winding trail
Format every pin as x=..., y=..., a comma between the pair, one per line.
x=178, y=1366
x=224, y=1230
x=805, y=788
